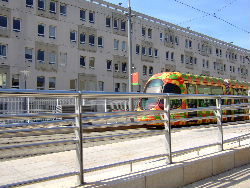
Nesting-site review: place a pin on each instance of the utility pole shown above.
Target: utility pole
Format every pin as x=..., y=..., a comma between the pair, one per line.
x=130, y=89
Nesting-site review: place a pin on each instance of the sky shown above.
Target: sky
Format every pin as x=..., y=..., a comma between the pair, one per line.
x=234, y=12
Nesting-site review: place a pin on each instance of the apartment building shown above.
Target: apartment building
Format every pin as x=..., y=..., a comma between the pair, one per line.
x=82, y=45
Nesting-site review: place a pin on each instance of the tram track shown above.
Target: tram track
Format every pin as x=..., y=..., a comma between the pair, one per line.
x=91, y=138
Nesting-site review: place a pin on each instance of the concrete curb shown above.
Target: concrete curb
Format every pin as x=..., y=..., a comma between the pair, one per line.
x=181, y=174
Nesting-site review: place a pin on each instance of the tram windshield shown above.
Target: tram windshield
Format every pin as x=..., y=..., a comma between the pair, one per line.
x=154, y=86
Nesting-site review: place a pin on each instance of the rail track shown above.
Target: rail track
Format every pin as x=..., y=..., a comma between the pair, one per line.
x=91, y=137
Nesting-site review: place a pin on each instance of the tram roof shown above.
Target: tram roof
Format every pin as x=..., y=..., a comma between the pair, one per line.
x=199, y=79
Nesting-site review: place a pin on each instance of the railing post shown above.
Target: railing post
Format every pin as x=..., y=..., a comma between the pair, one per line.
x=219, y=123
x=79, y=145
x=167, y=130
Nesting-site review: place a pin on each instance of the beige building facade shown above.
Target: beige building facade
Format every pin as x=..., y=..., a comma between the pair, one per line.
x=82, y=45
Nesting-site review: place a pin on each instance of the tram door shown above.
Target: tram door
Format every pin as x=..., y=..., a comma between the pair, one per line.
x=191, y=103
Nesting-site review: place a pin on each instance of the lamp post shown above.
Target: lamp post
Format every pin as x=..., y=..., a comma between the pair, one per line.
x=130, y=89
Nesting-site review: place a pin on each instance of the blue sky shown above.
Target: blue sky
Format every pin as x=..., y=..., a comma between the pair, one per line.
x=236, y=12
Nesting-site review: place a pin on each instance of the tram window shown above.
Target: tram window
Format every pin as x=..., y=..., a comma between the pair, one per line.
x=154, y=86
x=148, y=103
x=192, y=103
x=216, y=90
x=204, y=90
x=172, y=88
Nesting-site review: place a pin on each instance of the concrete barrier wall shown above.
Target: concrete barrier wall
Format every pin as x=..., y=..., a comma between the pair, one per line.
x=184, y=173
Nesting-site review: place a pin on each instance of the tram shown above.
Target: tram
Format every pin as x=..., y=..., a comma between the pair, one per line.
x=180, y=83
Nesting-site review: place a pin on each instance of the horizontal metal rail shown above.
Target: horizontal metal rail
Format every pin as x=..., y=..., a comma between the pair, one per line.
x=37, y=124
x=22, y=183
x=36, y=131
x=44, y=144
x=78, y=120
x=38, y=115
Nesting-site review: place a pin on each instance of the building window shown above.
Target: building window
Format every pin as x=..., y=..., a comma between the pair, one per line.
x=143, y=50
x=149, y=33
x=124, y=67
x=28, y=54
x=191, y=60
x=176, y=40
x=91, y=17
x=3, y=80
x=117, y=87
x=52, y=32
x=186, y=43
x=166, y=38
x=190, y=44
x=143, y=31
x=167, y=55
x=203, y=63
x=207, y=63
x=150, y=52
x=109, y=65
x=172, y=56
x=41, y=30
x=123, y=25
x=15, y=81
x=101, y=85
x=82, y=38
x=52, y=57
x=91, y=62
x=72, y=84
x=3, y=21
x=16, y=24
x=40, y=82
x=116, y=67
x=82, y=61
x=100, y=42
x=41, y=4
x=124, y=46
x=52, y=7
x=82, y=15
x=214, y=65
x=63, y=9
x=40, y=56
x=137, y=49
x=63, y=59
x=161, y=36
x=29, y=3
x=182, y=58
x=3, y=51
x=124, y=87
x=195, y=60
x=116, y=44
x=144, y=70
x=52, y=83
x=150, y=71
x=115, y=24
x=73, y=36
x=108, y=21
x=92, y=40
x=171, y=39
x=156, y=53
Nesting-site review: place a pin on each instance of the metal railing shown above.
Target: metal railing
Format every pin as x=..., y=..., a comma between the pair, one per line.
x=63, y=123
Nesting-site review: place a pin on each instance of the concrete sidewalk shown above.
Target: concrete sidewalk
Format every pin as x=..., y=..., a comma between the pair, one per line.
x=235, y=178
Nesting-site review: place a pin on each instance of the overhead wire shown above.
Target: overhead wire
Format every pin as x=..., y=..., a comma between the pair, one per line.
x=200, y=17
x=213, y=15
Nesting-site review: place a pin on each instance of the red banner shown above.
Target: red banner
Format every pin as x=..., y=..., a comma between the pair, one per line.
x=135, y=78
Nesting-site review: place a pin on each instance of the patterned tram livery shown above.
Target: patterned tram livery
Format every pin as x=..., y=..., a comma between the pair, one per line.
x=179, y=83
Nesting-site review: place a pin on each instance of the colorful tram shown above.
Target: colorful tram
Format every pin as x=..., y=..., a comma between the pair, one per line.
x=179, y=83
